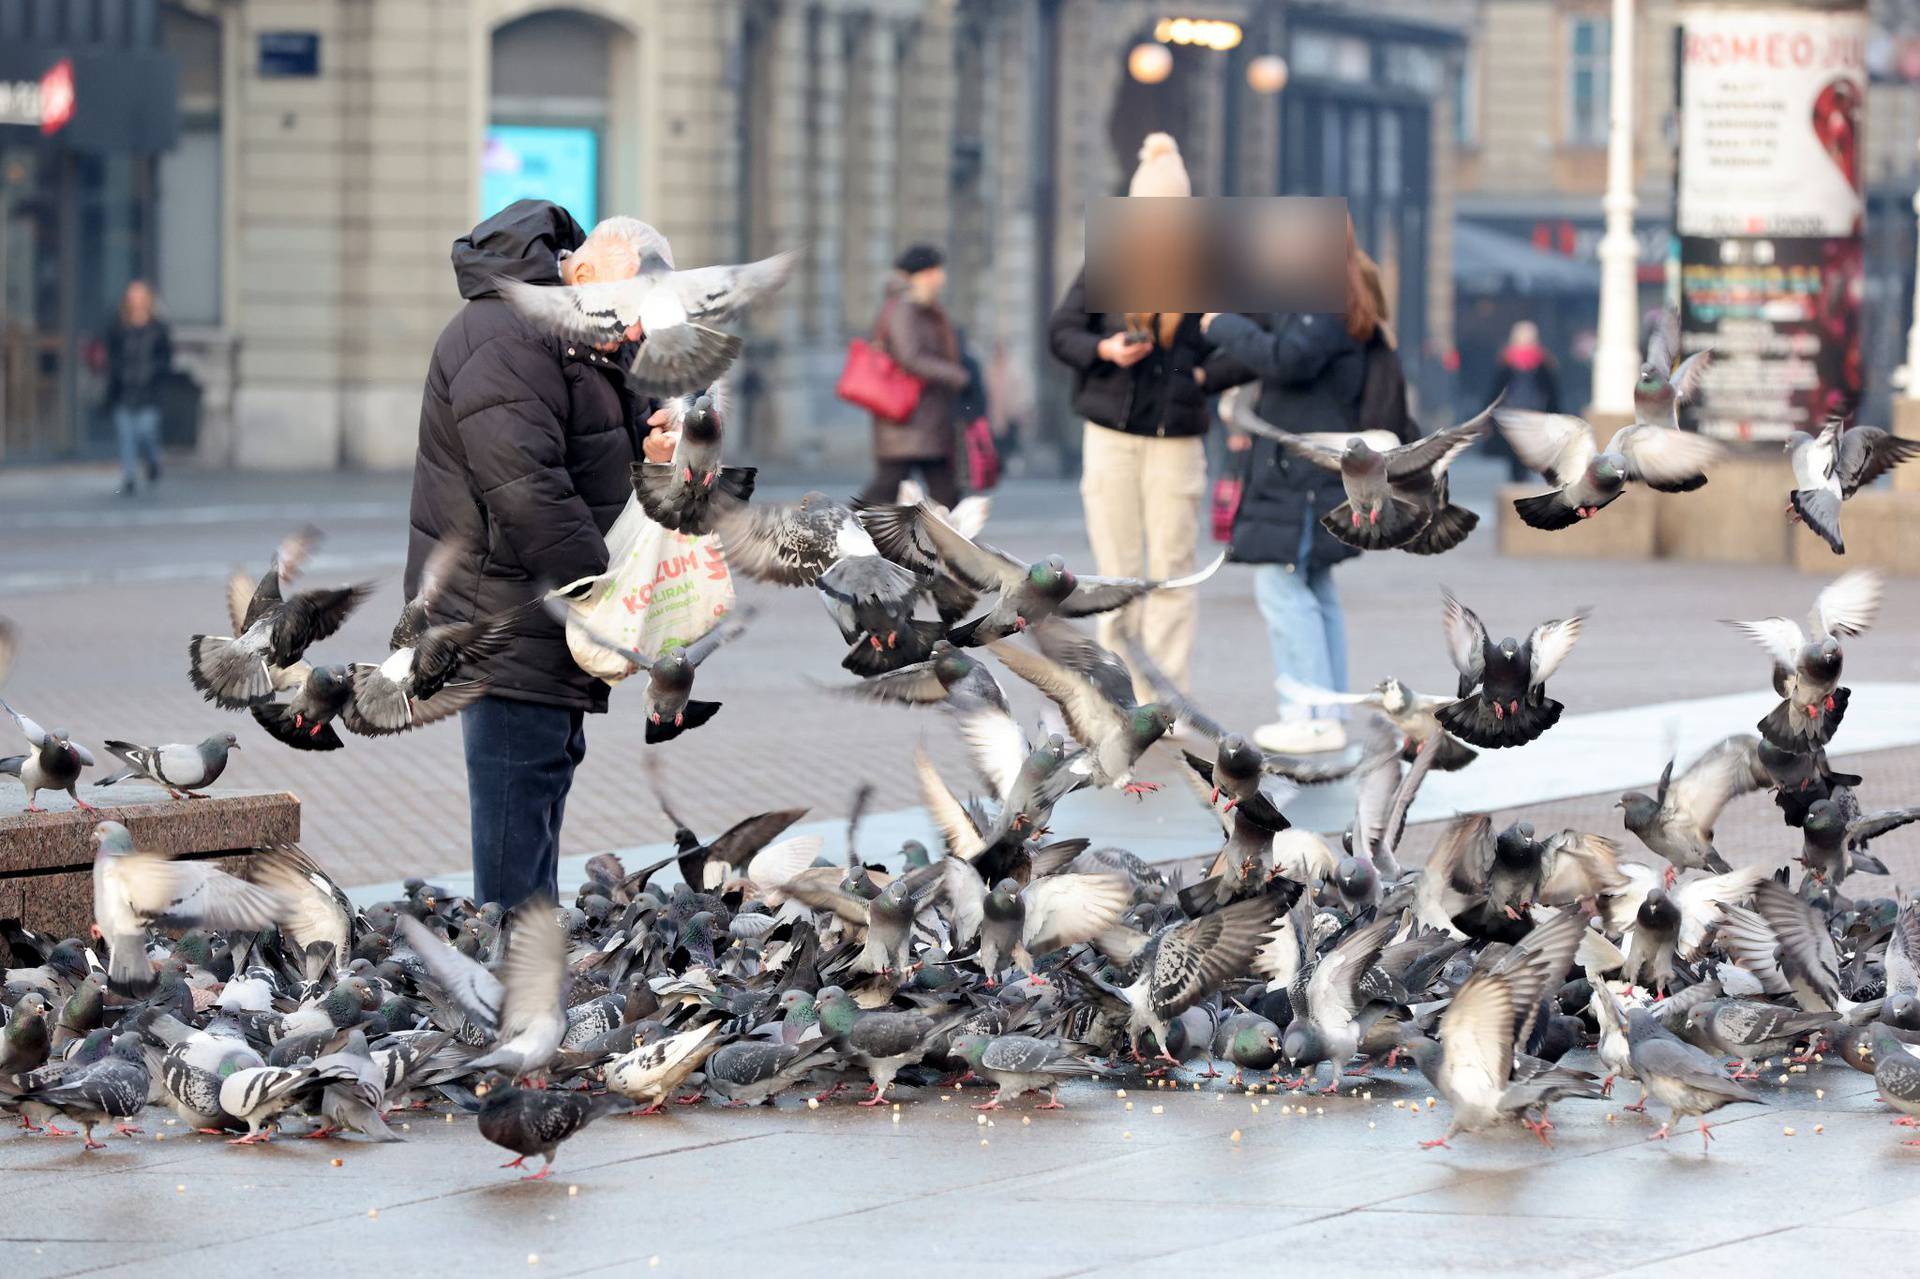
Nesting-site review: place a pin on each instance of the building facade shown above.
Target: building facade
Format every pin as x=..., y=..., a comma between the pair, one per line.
x=1533, y=177
x=327, y=153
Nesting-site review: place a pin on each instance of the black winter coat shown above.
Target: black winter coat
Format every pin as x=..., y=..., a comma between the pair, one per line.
x=1157, y=396
x=525, y=445
x=138, y=361
x=1311, y=376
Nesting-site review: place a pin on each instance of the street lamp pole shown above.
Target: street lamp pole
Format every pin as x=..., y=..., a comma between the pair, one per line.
x=1616, y=356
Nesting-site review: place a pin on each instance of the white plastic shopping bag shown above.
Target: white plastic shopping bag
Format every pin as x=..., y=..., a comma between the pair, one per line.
x=662, y=589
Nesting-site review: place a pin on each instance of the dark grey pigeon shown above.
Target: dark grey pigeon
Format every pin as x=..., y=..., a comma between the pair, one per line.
x=1393, y=497
x=535, y=1121
x=880, y=1041
x=1587, y=479
x=1502, y=698
x=1679, y=1076
x=1094, y=691
x=113, y=1088
x=671, y=709
x=182, y=769
x=749, y=1071
x=305, y=721
x=871, y=599
x=683, y=494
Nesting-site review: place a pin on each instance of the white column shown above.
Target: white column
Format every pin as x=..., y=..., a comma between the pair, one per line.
x=1616, y=356
x=1908, y=378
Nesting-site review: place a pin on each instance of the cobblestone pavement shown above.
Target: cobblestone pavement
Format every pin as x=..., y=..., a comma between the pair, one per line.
x=106, y=590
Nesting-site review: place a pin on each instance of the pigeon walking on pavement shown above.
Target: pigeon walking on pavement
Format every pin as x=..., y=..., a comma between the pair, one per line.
x=536, y=1121
x=1679, y=1076
x=183, y=770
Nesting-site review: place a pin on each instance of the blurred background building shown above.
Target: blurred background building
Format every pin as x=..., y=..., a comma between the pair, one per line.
x=291, y=174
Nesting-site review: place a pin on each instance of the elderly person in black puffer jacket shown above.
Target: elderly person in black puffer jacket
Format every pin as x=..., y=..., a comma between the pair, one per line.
x=525, y=445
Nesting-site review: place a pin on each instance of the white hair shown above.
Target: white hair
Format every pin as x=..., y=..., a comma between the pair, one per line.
x=639, y=236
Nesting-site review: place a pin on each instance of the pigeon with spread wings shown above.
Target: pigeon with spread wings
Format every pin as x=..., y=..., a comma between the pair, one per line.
x=1807, y=663
x=272, y=631
x=917, y=538
x=1586, y=478
x=1833, y=464
x=1503, y=687
x=683, y=350
x=671, y=709
x=1396, y=496
x=682, y=494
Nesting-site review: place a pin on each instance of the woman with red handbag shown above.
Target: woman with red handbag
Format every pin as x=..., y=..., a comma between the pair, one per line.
x=914, y=332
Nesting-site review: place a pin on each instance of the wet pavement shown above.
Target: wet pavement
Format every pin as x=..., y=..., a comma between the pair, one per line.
x=1158, y=1182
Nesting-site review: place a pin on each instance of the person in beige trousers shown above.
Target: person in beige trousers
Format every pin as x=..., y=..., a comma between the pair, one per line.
x=1141, y=381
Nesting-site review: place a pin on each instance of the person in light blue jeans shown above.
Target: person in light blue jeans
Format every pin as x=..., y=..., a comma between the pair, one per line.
x=139, y=357
x=1306, y=630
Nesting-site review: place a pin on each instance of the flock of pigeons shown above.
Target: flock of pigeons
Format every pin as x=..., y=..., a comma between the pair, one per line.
x=1015, y=955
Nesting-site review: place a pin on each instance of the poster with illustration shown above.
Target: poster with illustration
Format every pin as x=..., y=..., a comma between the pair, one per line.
x=1768, y=213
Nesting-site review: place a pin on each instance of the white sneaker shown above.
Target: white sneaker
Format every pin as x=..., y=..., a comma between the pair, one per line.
x=1301, y=736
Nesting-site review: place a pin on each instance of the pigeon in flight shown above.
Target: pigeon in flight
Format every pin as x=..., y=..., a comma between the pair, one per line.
x=1094, y=691
x=1562, y=449
x=1395, y=496
x=183, y=770
x=1666, y=381
x=520, y=1007
x=320, y=695
x=1807, y=664
x=683, y=350
x=917, y=538
x=1411, y=713
x=416, y=685
x=55, y=761
x=271, y=631
x=132, y=890
x=1677, y=820
x=1832, y=465
x=671, y=709
x=1503, y=687
x=681, y=494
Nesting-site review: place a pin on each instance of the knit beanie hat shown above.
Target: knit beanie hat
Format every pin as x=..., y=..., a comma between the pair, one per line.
x=917, y=258
x=1161, y=170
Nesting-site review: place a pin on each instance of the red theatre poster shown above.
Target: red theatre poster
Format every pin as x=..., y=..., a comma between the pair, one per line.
x=1768, y=213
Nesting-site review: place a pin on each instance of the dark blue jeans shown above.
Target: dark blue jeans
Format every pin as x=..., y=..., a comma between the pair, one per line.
x=520, y=762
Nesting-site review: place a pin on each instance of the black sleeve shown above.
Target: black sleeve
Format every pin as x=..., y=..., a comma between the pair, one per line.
x=510, y=407
x=1551, y=381
x=1071, y=334
x=1290, y=353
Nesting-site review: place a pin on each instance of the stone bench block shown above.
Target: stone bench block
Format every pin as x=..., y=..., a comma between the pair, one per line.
x=46, y=859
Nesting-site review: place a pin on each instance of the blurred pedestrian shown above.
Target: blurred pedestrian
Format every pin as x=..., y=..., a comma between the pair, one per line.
x=1318, y=372
x=914, y=330
x=139, y=357
x=1141, y=381
x=1009, y=401
x=526, y=441
x=1524, y=374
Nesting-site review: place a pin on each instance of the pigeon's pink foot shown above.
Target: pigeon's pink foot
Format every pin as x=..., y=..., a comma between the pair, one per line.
x=1638, y=1107
x=1539, y=1128
x=1706, y=1137
x=126, y=1130
x=1829, y=702
x=1437, y=1141
x=1356, y=518
x=878, y=1099
x=690, y=1099
x=1137, y=789
x=1499, y=711
x=1672, y=874
x=521, y=1162
x=85, y=805
x=541, y=1175
x=989, y=1105
x=91, y=1144
x=656, y=1108
x=1051, y=1103
x=1373, y=516
x=1660, y=1133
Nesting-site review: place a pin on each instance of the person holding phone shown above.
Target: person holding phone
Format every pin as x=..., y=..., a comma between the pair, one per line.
x=1141, y=382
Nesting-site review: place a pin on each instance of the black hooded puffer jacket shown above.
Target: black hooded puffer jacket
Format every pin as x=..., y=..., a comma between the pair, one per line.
x=525, y=445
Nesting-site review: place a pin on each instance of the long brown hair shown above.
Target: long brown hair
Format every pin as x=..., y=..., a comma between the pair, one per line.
x=1366, y=301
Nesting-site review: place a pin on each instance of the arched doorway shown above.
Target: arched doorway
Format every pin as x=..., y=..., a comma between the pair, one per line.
x=561, y=122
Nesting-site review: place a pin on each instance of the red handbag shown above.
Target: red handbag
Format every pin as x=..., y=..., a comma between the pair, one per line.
x=983, y=456
x=872, y=380
x=1227, y=492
